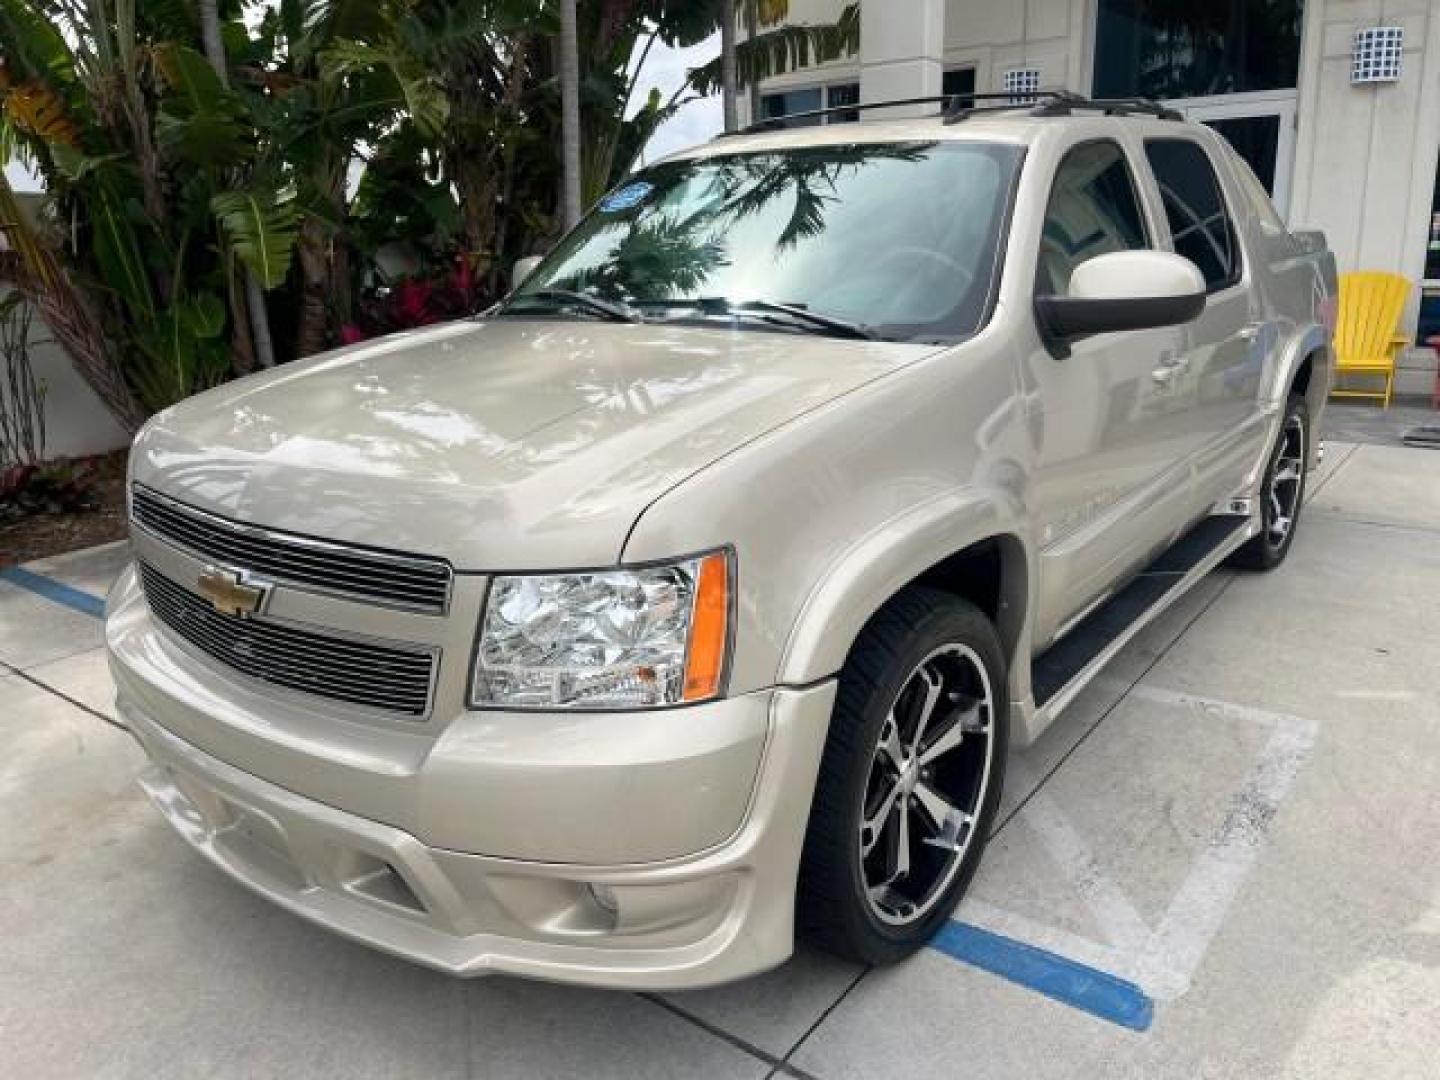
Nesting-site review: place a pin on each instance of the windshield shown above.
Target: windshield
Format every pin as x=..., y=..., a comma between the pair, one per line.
x=900, y=239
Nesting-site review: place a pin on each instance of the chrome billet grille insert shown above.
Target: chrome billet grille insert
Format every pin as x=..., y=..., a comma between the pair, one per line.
x=407, y=581
x=388, y=677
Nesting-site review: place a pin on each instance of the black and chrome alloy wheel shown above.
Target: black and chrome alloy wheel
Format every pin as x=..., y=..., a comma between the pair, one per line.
x=928, y=778
x=1282, y=492
x=1285, y=480
x=910, y=778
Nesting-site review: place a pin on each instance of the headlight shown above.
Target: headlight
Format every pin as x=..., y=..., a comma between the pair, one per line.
x=611, y=639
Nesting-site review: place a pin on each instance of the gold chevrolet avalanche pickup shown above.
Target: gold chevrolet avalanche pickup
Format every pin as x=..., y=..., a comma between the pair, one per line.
x=690, y=597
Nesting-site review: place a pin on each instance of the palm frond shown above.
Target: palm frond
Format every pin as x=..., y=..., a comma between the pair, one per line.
x=785, y=48
x=261, y=228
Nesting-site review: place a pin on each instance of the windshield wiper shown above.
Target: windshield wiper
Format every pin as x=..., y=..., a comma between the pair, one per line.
x=770, y=311
x=813, y=318
x=613, y=310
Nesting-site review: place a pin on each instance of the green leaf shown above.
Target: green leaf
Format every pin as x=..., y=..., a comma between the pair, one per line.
x=119, y=257
x=206, y=140
x=189, y=75
x=424, y=100
x=201, y=122
x=785, y=48
x=205, y=316
x=75, y=164
x=261, y=228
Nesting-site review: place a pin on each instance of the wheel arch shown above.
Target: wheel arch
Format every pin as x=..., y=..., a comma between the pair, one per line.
x=1307, y=365
x=973, y=550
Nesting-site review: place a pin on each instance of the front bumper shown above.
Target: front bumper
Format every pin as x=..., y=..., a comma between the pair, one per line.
x=695, y=919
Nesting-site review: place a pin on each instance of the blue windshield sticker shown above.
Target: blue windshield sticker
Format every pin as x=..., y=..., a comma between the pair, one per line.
x=627, y=197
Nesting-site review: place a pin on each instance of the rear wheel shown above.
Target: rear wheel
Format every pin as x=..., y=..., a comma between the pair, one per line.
x=910, y=778
x=1282, y=492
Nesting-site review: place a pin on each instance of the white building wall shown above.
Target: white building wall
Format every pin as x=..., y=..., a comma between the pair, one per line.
x=1051, y=35
x=902, y=57
x=76, y=423
x=990, y=36
x=1365, y=156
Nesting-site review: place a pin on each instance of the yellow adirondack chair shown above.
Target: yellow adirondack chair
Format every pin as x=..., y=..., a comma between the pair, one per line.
x=1367, y=331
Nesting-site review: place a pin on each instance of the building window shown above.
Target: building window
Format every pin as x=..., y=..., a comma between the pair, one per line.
x=843, y=94
x=959, y=83
x=1256, y=139
x=810, y=99
x=1195, y=48
x=1430, y=296
x=1200, y=225
x=788, y=102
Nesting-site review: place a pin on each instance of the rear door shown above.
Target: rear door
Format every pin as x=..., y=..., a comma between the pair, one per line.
x=1224, y=350
x=1112, y=483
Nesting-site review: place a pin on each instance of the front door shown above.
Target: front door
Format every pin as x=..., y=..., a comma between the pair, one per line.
x=1261, y=127
x=1112, y=480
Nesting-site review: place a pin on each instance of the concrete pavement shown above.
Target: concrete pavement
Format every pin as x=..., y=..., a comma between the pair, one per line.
x=1237, y=826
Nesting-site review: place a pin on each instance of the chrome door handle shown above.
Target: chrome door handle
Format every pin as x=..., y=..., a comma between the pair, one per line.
x=1170, y=365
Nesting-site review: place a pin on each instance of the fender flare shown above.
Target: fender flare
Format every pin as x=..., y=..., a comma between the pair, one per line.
x=1311, y=340
x=885, y=560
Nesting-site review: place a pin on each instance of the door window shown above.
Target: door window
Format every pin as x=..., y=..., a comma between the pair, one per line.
x=1093, y=210
x=1200, y=224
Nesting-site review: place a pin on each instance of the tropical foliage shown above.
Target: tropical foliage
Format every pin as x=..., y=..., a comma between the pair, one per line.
x=232, y=183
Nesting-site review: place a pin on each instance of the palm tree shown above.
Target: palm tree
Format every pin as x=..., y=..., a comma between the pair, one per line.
x=569, y=114
x=727, y=63
x=214, y=46
x=772, y=49
x=752, y=28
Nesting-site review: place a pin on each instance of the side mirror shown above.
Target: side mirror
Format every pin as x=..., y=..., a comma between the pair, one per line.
x=522, y=269
x=1124, y=290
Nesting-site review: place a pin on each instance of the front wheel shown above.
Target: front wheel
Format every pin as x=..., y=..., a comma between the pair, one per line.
x=910, y=778
x=1282, y=492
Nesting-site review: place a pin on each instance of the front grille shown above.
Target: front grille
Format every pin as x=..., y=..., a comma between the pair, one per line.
x=408, y=581
x=388, y=677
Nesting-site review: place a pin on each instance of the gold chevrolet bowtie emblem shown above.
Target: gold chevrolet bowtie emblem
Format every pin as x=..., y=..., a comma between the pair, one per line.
x=230, y=593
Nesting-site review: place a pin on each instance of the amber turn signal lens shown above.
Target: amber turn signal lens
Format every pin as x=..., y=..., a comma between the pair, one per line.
x=709, y=629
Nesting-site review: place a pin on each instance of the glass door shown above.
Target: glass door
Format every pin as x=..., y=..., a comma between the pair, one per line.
x=1261, y=127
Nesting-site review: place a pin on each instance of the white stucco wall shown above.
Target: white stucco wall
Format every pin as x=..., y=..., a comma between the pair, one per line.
x=76, y=423
x=991, y=37
x=1365, y=155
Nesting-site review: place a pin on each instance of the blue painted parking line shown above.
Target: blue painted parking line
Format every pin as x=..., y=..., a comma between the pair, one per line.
x=53, y=590
x=1070, y=983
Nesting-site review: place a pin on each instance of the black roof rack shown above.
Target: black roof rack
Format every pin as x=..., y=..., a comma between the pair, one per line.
x=1065, y=103
x=957, y=107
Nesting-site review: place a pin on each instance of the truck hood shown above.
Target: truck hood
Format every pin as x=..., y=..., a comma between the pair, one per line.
x=497, y=445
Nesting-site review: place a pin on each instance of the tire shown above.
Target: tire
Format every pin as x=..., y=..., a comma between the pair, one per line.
x=1282, y=492
x=924, y=645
